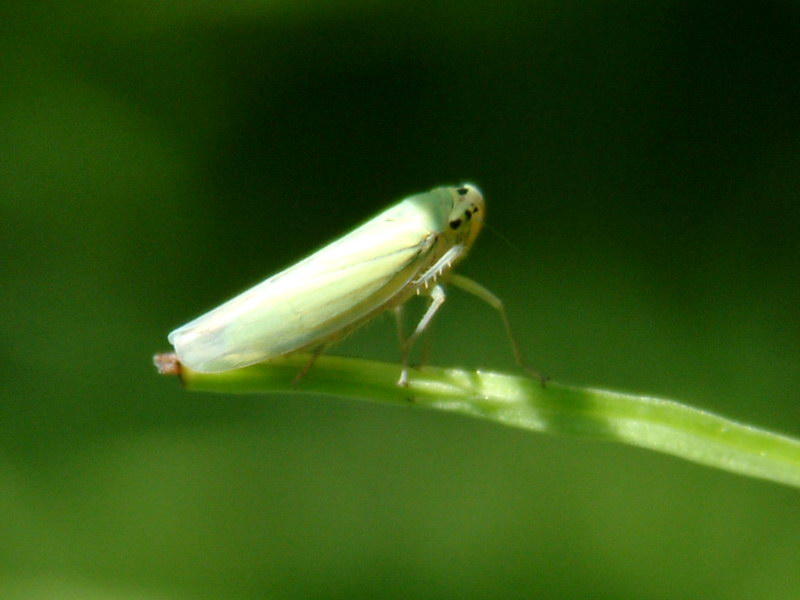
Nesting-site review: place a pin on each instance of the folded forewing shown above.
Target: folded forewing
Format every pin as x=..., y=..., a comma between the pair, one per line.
x=313, y=300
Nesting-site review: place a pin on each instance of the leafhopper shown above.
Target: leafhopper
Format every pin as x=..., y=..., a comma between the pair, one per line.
x=409, y=249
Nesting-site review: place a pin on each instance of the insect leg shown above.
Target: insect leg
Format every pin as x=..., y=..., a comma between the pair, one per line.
x=476, y=289
x=437, y=299
x=306, y=367
x=398, y=319
x=425, y=352
x=401, y=335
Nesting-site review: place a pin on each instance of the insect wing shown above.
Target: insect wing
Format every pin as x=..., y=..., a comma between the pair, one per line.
x=312, y=301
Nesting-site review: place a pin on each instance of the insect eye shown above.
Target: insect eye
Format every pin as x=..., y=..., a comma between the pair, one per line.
x=455, y=223
x=462, y=191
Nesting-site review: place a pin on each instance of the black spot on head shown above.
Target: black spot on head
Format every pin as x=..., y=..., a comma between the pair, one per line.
x=462, y=191
x=455, y=223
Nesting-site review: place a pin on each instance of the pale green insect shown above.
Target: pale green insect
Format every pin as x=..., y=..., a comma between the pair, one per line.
x=409, y=249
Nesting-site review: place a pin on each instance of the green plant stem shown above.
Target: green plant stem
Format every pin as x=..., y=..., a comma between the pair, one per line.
x=658, y=424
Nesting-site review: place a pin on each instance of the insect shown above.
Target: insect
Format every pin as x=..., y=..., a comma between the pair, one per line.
x=409, y=249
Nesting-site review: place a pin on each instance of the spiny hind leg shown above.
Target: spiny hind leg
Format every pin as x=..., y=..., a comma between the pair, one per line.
x=437, y=299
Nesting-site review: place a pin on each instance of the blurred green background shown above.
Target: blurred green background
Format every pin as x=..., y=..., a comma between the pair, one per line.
x=156, y=158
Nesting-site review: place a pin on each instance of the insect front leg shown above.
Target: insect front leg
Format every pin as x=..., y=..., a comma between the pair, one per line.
x=437, y=299
x=484, y=294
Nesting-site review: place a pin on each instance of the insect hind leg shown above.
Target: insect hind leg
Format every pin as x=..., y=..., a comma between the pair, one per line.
x=307, y=367
x=437, y=299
